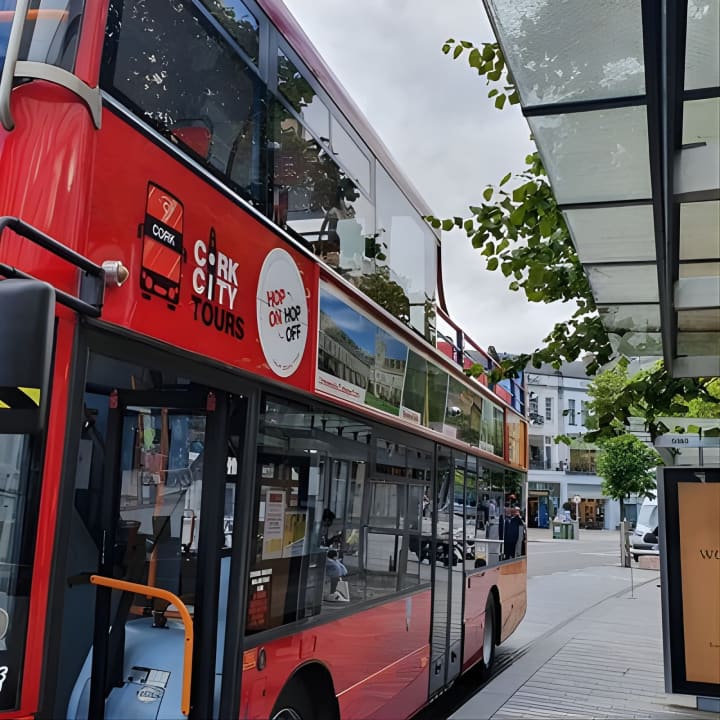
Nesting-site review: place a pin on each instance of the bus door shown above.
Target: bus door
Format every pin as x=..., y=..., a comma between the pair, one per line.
x=163, y=515
x=447, y=558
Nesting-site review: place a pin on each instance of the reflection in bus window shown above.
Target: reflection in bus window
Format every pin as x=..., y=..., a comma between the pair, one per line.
x=206, y=91
x=50, y=34
x=291, y=83
x=17, y=532
x=160, y=496
x=239, y=22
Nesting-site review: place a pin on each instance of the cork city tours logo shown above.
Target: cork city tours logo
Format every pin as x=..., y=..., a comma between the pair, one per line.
x=215, y=287
x=282, y=313
x=162, y=246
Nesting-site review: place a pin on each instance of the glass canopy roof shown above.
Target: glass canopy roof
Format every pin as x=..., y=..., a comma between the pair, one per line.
x=623, y=100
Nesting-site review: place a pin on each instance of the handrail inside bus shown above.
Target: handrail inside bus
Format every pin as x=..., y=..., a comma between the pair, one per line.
x=92, y=286
x=155, y=592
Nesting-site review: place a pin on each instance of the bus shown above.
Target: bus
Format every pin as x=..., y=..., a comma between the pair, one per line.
x=244, y=473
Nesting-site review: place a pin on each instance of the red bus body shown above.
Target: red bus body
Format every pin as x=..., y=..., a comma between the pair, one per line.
x=195, y=254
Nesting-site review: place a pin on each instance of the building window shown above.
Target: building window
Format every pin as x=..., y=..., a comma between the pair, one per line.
x=584, y=411
x=582, y=460
x=571, y=412
x=548, y=408
x=533, y=403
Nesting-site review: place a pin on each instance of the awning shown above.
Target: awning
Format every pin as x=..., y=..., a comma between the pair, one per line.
x=623, y=100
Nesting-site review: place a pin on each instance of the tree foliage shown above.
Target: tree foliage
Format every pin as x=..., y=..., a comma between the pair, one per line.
x=706, y=407
x=627, y=467
x=650, y=394
x=520, y=230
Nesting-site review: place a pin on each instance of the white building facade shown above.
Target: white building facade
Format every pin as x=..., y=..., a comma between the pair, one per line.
x=558, y=406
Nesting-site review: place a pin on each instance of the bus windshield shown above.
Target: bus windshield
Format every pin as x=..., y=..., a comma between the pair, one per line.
x=50, y=34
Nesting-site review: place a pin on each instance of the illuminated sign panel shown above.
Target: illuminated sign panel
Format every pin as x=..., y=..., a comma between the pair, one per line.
x=689, y=503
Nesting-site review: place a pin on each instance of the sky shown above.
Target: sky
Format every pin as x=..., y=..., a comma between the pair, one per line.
x=434, y=116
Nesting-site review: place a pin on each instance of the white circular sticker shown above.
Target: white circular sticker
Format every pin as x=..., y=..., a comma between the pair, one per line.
x=282, y=313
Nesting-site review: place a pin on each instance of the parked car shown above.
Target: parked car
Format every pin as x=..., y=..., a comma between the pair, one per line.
x=643, y=539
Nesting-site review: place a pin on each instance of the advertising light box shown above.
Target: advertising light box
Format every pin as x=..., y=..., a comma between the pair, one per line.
x=689, y=505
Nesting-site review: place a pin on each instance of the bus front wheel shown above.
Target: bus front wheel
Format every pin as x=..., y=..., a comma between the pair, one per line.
x=294, y=703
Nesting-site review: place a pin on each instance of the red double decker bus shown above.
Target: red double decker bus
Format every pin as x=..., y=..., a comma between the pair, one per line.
x=240, y=475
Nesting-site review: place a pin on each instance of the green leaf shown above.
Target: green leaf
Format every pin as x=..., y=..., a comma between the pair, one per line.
x=446, y=48
x=457, y=52
x=492, y=263
x=466, y=43
x=468, y=225
x=505, y=179
x=494, y=75
x=493, y=93
x=488, y=193
x=517, y=217
x=474, y=58
x=500, y=101
x=488, y=52
x=447, y=224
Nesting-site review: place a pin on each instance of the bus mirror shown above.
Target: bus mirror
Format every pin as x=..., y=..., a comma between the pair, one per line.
x=27, y=318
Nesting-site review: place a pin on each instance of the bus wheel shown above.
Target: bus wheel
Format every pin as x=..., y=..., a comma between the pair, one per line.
x=294, y=703
x=488, y=648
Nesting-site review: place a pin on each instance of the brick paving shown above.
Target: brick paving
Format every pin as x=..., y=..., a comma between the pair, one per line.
x=605, y=662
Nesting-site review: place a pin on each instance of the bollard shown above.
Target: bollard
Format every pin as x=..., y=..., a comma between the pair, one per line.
x=624, y=543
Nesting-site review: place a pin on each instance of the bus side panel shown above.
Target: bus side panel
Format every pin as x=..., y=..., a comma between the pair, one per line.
x=378, y=660
x=477, y=587
x=512, y=585
x=46, y=169
x=212, y=257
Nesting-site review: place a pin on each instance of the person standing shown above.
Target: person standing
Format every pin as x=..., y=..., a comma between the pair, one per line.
x=513, y=533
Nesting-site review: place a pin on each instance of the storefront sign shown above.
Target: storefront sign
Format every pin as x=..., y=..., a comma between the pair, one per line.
x=687, y=441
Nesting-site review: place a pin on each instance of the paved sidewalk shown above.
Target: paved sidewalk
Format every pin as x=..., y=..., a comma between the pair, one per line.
x=605, y=661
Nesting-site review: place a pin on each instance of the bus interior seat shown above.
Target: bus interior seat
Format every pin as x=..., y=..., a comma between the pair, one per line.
x=195, y=134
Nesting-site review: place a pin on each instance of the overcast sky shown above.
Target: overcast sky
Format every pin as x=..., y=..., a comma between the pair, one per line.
x=434, y=115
